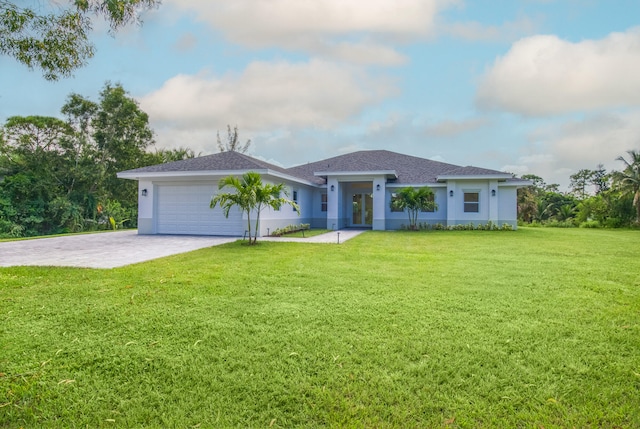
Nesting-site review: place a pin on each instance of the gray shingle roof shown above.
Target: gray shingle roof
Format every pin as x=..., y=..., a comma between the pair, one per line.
x=409, y=169
x=471, y=171
x=223, y=161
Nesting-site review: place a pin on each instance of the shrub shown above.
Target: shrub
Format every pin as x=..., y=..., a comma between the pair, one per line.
x=489, y=226
x=590, y=224
x=290, y=229
x=9, y=229
x=559, y=224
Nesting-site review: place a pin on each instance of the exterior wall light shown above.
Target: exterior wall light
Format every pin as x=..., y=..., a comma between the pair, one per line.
x=144, y=192
x=378, y=187
x=451, y=193
x=493, y=192
x=333, y=188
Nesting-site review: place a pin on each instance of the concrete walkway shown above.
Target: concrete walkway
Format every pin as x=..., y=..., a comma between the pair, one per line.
x=336, y=237
x=117, y=249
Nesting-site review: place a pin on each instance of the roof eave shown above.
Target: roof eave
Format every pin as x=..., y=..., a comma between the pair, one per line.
x=516, y=182
x=388, y=173
x=499, y=177
x=150, y=175
x=416, y=185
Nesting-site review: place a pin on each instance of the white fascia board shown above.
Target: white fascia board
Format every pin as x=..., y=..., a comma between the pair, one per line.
x=156, y=175
x=175, y=174
x=416, y=185
x=356, y=173
x=499, y=176
x=517, y=183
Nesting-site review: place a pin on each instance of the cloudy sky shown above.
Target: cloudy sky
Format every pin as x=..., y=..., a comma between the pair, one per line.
x=542, y=87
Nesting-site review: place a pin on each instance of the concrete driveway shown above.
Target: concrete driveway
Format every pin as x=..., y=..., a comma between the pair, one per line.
x=104, y=250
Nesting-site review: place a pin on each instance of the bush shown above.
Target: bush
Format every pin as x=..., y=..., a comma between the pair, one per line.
x=489, y=226
x=289, y=229
x=9, y=229
x=590, y=224
x=560, y=224
x=112, y=215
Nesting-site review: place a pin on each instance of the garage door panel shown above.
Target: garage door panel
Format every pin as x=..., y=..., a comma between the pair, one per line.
x=184, y=209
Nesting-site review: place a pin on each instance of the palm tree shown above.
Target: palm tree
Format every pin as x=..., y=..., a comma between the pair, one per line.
x=628, y=180
x=414, y=200
x=250, y=195
x=565, y=212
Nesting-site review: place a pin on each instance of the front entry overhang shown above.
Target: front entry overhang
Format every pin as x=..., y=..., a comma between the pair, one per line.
x=366, y=189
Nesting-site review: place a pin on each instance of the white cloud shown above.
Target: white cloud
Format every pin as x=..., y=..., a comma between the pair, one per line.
x=544, y=75
x=265, y=96
x=337, y=29
x=455, y=127
x=518, y=170
x=555, y=152
x=476, y=31
x=596, y=139
x=360, y=53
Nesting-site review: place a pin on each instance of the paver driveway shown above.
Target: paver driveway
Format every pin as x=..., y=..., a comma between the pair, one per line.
x=117, y=249
x=105, y=250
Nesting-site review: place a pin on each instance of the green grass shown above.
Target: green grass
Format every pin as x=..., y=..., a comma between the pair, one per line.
x=534, y=328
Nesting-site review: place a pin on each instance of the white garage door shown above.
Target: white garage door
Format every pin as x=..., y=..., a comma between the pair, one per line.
x=184, y=209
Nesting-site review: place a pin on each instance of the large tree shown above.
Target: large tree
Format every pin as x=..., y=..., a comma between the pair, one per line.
x=580, y=181
x=55, y=37
x=58, y=176
x=600, y=179
x=116, y=135
x=250, y=195
x=528, y=198
x=628, y=180
x=414, y=200
x=32, y=157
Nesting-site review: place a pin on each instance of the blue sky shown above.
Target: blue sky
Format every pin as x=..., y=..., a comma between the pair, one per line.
x=531, y=87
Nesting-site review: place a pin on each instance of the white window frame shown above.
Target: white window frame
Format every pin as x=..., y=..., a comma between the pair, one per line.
x=470, y=203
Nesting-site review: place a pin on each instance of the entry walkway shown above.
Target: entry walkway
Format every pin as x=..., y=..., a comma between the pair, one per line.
x=337, y=237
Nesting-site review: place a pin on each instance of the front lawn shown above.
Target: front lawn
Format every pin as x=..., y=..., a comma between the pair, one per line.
x=534, y=328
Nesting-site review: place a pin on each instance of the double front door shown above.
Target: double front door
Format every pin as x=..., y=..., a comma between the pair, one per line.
x=362, y=210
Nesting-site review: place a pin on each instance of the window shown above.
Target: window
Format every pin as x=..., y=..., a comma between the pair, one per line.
x=471, y=202
x=323, y=202
x=394, y=197
x=295, y=198
x=432, y=199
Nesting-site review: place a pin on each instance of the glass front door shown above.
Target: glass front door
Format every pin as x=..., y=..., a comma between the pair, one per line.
x=362, y=210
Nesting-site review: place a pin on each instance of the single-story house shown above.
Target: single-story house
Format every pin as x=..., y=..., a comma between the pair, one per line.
x=352, y=190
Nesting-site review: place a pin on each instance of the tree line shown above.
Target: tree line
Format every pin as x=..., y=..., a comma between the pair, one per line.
x=59, y=175
x=596, y=198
